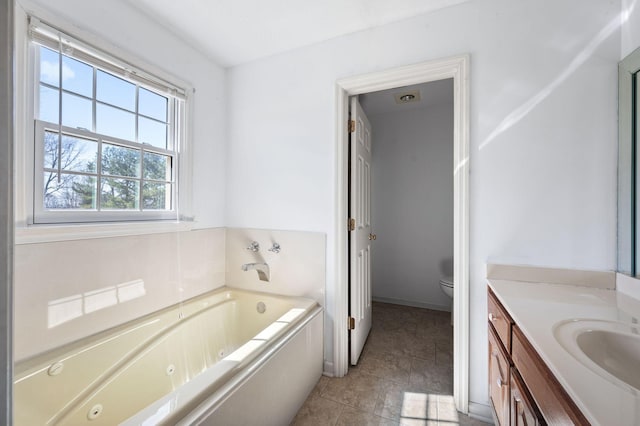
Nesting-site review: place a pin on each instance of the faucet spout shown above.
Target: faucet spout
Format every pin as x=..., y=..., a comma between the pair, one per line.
x=262, y=269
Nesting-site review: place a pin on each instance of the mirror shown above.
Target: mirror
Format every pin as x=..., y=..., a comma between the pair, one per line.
x=628, y=151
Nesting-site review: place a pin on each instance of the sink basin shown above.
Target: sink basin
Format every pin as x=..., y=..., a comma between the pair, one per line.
x=617, y=353
x=610, y=349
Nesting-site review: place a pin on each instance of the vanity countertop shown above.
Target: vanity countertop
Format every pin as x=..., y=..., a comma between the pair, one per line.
x=539, y=308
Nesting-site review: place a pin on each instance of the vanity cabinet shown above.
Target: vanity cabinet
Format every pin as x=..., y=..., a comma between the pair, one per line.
x=522, y=389
x=499, y=372
x=523, y=411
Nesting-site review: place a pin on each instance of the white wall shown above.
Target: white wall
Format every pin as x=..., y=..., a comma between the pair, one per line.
x=412, y=205
x=543, y=135
x=630, y=27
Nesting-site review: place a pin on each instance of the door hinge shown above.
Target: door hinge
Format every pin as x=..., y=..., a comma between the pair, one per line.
x=352, y=224
x=352, y=323
x=352, y=126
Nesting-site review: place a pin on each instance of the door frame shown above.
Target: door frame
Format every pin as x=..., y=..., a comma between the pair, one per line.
x=456, y=67
x=6, y=208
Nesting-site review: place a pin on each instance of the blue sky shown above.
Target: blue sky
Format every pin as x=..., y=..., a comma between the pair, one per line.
x=115, y=106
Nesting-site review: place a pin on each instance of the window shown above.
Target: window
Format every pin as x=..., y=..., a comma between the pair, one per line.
x=107, y=137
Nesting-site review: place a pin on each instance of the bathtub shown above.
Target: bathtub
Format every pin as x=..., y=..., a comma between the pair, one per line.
x=228, y=357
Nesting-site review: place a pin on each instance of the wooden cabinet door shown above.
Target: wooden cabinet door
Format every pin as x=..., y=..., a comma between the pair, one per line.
x=552, y=400
x=500, y=320
x=523, y=408
x=498, y=378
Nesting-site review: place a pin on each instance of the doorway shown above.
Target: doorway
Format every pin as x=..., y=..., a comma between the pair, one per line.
x=412, y=193
x=456, y=68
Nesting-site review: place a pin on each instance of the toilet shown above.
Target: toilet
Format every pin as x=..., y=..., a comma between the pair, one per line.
x=446, y=284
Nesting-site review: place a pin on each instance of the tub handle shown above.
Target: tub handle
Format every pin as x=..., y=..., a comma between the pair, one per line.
x=275, y=248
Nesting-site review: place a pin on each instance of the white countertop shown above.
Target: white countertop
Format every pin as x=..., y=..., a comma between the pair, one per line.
x=537, y=308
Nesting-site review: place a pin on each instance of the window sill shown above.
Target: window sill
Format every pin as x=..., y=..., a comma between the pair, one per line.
x=51, y=233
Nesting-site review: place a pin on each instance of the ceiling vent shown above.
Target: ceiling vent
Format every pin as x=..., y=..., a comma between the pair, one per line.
x=407, y=97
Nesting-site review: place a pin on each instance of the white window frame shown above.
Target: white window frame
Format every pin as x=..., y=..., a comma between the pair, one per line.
x=42, y=215
x=112, y=223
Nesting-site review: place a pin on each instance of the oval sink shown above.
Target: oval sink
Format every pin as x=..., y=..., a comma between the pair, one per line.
x=617, y=353
x=608, y=348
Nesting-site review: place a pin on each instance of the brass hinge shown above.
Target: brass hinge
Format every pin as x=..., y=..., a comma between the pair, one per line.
x=352, y=224
x=352, y=126
x=352, y=323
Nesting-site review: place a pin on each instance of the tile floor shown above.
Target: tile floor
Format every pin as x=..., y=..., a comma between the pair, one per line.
x=404, y=376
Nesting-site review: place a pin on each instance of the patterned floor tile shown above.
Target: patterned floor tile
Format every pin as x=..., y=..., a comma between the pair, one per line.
x=404, y=376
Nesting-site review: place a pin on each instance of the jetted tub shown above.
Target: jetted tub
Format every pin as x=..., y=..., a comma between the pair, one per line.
x=227, y=357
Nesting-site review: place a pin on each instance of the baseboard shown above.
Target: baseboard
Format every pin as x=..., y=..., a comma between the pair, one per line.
x=481, y=412
x=328, y=369
x=412, y=303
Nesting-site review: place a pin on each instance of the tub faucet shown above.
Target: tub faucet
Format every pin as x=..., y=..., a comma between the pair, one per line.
x=261, y=268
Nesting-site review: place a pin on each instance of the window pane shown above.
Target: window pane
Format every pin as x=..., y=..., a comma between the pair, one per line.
x=49, y=104
x=49, y=66
x=152, y=132
x=120, y=161
x=156, y=166
x=156, y=196
x=152, y=105
x=69, y=192
x=78, y=154
x=77, y=77
x=76, y=112
x=114, y=122
x=115, y=91
x=120, y=194
x=50, y=150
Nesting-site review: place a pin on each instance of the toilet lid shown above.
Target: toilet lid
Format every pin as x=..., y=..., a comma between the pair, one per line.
x=448, y=281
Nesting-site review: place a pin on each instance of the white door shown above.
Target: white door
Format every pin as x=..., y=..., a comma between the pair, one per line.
x=360, y=229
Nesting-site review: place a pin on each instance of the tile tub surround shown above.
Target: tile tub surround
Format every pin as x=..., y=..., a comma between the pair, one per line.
x=67, y=290
x=538, y=307
x=299, y=269
x=404, y=377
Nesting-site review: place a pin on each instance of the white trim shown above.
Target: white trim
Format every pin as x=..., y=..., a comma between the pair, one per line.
x=327, y=369
x=481, y=412
x=341, y=280
x=7, y=137
x=456, y=67
x=51, y=233
x=23, y=146
x=42, y=215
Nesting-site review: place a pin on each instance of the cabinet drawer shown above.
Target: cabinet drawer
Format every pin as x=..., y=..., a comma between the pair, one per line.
x=523, y=409
x=554, y=403
x=499, y=370
x=500, y=320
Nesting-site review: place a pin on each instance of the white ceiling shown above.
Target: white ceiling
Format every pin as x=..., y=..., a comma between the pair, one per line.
x=432, y=93
x=232, y=32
